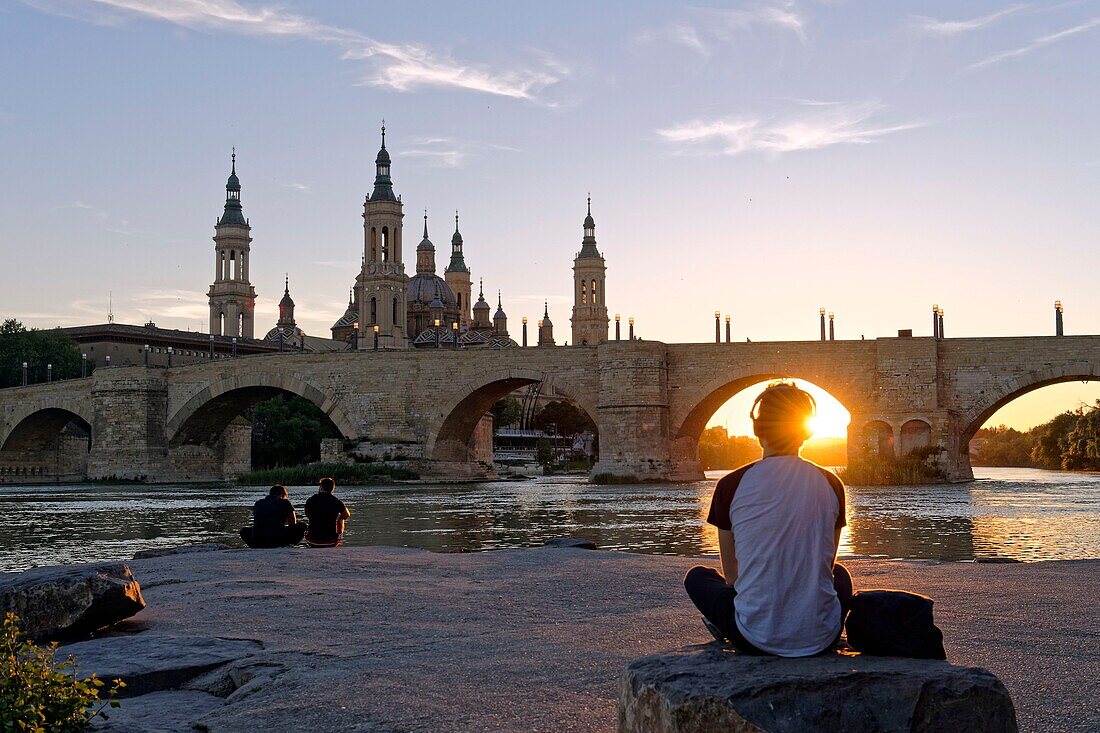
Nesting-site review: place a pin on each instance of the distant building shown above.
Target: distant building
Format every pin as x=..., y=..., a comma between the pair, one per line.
x=127, y=345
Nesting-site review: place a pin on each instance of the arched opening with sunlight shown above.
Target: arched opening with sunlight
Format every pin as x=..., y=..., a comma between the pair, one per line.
x=728, y=440
x=1053, y=427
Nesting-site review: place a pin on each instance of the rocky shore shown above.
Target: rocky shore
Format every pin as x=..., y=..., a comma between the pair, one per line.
x=390, y=639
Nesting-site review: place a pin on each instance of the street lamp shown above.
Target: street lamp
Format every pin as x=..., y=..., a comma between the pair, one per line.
x=169, y=357
x=617, y=319
x=832, y=333
x=525, y=331
x=941, y=322
x=631, y=328
x=355, y=334
x=211, y=347
x=376, y=329
x=1058, y=331
x=24, y=374
x=107, y=360
x=717, y=327
x=435, y=329
x=146, y=350
x=454, y=332
x=49, y=373
x=234, y=347
x=821, y=316
x=83, y=365
x=727, y=329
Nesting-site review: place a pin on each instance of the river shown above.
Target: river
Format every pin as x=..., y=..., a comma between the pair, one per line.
x=1024, y=514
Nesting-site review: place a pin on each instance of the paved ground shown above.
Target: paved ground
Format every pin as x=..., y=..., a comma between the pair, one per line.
x=386, y=639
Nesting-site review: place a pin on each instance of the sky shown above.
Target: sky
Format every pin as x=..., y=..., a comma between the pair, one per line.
x=761, y=159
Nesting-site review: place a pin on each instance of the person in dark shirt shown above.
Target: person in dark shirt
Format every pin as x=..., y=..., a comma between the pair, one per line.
x=273, y=522
x=327, y=515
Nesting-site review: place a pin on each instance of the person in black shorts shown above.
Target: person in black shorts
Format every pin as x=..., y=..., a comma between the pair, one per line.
x=327, y=515
x=273, y=522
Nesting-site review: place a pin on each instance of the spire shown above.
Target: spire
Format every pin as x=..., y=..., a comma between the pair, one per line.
x=233, y=213
x=286, y=284
x=481, y=288
x=286, y=305
x=425, y=243
x=383, y=184
x=425, y=223
x=588, y=244
x=458, y=261
x=498, y=300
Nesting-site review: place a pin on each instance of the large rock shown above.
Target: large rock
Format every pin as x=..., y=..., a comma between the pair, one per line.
x=152, y=662
x=708, y=688
x=575, y=542
x=159, y=712
x=76, y=600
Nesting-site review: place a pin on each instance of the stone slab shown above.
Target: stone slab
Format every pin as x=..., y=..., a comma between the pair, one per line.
x=711, y=689
x=159, y=712
x=181, y=550
x=153, y=662
x=70, y=601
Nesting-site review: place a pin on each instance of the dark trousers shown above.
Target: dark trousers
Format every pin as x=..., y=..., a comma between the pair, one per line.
x=288, y=536
x=715, y=600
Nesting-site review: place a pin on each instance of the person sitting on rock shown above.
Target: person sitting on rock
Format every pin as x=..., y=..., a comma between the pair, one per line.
x=274, y=523
x=327, y=515
x=781, y=590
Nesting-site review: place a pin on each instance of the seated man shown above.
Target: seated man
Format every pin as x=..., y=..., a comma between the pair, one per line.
x=779, y=522
x=273, y=522
x=327, y=515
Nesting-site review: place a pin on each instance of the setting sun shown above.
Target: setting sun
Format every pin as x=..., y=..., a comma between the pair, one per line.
x=831, y=420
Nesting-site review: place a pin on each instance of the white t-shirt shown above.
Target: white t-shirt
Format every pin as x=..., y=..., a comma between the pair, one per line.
x=783, y=512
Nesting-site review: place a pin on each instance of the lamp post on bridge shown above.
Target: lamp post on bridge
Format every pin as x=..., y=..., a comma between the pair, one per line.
x=83, y=365
x=717, y=327
x=935, y=321
x=454, y=333
x=940, y=321
x=631, y=328
x=146, y=354
x=49, y=373
x=832, y=332
x=24, y=374
x=376, y=329
x=821, y=316
x=617, y=324
x=211, y=347
x=107, y=360
x=234, y=347
x=727, y=329
x=525, y=331
x=1058, y=329
x=170, y=350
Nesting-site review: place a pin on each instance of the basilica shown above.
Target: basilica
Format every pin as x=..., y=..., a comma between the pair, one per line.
x=388, y=309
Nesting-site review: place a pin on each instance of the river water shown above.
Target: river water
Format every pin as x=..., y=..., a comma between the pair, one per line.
x=1019, y=513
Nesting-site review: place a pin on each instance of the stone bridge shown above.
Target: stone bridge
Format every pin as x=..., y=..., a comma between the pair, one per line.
x=650, y=401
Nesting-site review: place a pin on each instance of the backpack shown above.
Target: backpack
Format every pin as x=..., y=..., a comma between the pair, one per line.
x=894, y=623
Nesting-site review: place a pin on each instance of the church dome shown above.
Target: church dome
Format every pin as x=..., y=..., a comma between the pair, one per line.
x=425, y=244
x=426, y=287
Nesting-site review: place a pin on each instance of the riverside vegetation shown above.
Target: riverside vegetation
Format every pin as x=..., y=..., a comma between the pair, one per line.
x=41, y=694
x=1071, y=442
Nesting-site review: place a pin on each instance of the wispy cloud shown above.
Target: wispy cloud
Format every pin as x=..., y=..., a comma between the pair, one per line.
x=935, y=27
x=706, y=27
x=1035, y=45
x=449, y=152
x=400, y=67
x=295, y=186
x=816, y=125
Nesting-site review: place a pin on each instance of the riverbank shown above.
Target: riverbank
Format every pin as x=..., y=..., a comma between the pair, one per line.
x=390, y=639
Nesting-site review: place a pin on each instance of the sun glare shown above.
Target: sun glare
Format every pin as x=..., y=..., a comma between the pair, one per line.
x=831, y=420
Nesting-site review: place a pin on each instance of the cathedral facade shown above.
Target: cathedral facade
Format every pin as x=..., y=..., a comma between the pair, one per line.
x=387, y=308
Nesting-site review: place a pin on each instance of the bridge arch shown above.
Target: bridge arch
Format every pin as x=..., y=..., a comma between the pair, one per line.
x=206, y=414
x=452, y=440
x=1004, y=392
x=32, y=425
x=703, y=402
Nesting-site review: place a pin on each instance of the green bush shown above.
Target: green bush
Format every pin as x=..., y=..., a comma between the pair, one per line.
x=39, y=694
x=348, y=474
x=884, y=469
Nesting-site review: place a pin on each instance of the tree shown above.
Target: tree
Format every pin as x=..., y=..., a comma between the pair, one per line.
x=563, y=418
x=1050, y=440
x=719, y=450
x=1081, y=449
x=1001, y=446
x=287, y=431
x=38, y=348
x=505, y=412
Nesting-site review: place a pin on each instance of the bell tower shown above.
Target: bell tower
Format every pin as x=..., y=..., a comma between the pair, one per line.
x=457, y=276
x=589, y=274
x=382, y=284
x=232, y=297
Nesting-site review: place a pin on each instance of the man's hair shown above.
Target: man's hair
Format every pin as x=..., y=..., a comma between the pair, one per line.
x=781, y=415
x=327, y=484
x=277, y=491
